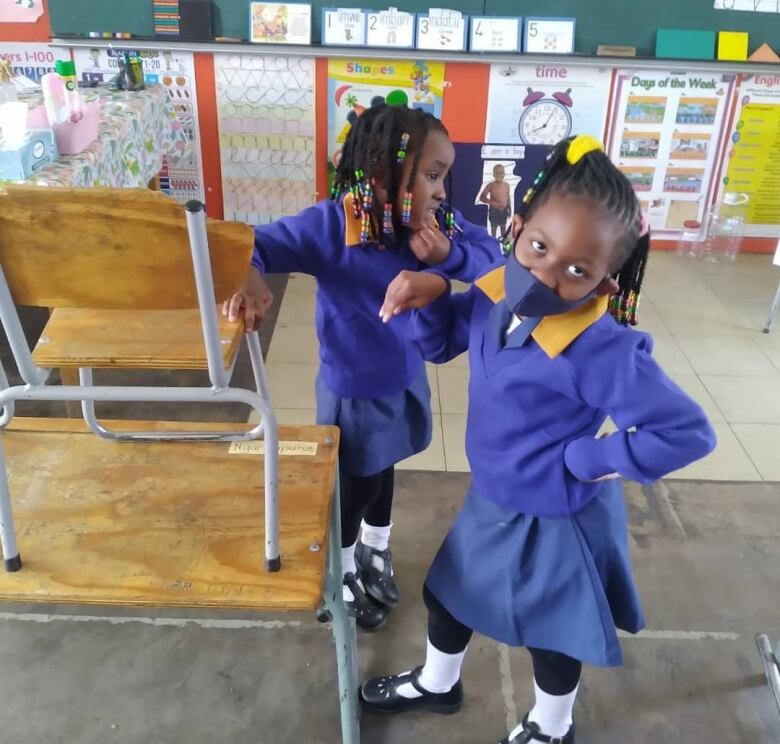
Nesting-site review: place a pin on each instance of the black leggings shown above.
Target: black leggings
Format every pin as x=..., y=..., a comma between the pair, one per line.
x=369, y=498
x=555, y=673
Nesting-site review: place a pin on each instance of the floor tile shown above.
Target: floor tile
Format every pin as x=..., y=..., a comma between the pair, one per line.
x=433, y=457
x=692, y=385
x=301, y=283
x=453, y=388
x=290, y=416
x=433, y=381
x=746, y=400
x=292, y=384
x=454, y=430
x=725, y=355
x=729, y=461
x=771, y=352
x=294, y=343
x=298, y=307
x=762, y=443
x=669, y=355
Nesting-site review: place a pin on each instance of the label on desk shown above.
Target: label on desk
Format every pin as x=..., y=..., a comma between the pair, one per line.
x=286, y=449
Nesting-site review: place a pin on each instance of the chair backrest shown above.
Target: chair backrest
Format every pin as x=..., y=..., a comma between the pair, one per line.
x=110, y=249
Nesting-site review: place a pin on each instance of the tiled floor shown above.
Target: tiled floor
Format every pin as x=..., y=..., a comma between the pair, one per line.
x=706, y=322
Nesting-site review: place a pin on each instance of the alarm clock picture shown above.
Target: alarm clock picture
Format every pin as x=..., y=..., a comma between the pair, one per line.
x=545, y=120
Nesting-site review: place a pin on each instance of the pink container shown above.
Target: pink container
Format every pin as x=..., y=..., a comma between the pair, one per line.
x=75, y=138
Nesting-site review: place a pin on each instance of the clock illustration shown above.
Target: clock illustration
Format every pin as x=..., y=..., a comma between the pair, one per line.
x=545, y=121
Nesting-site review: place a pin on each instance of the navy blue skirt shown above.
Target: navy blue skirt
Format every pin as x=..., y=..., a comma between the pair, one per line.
x=562, y=584
x=378, y=432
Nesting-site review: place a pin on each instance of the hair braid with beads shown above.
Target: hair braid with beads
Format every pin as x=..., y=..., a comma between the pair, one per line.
x=372, y=154
x=594, y=176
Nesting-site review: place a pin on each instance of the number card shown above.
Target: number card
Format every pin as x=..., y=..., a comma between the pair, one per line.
x=390, y=28
x=441, y=29
x=280, y=23
x=549, y=35
x=494, y=34
x=344, y=27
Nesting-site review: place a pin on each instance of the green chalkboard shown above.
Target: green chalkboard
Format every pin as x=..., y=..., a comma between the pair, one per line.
x=628, y=22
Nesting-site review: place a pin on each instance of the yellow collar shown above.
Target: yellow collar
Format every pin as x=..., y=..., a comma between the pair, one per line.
x=556, y=332
x=351, y=224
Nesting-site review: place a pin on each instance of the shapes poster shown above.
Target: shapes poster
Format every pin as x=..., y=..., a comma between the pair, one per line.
x=666, y=133
x=753, y=152
x=181, y=177
x=266, y=135
x=357, y=84
x=535, y=104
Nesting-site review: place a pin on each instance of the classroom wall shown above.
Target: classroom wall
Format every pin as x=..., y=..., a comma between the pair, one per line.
x=465, y=104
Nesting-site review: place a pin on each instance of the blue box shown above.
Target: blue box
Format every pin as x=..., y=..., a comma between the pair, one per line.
x=40, y=149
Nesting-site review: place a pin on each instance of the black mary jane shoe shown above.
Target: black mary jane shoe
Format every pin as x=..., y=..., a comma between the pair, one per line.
x=380, y=585
x=380, y=695
x=531, y=733
x=368, y=614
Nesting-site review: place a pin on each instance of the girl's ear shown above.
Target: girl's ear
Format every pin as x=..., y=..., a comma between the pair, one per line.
x=516, y=226
x=607, y=287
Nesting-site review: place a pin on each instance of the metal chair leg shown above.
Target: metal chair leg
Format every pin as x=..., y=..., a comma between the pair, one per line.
x=344, y=635
x=773, y=311
x=8, y=408
x=13, y=561
x=771, y=665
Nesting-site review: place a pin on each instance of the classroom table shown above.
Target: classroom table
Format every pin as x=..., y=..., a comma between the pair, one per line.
x=137, y=129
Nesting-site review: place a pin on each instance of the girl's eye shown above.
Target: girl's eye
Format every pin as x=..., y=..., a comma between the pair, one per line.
x=538, y=246
x=433, y=176
x=576, y=272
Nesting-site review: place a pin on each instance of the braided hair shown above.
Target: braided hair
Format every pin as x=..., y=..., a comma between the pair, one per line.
x=375, y=151
x=579, y=167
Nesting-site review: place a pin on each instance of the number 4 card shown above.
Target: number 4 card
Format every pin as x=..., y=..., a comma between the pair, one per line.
x=494, y=34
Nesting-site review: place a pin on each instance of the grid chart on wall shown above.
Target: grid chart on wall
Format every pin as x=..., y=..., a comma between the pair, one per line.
x=266, y=134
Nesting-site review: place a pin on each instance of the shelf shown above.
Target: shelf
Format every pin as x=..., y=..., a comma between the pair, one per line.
x=571, y=60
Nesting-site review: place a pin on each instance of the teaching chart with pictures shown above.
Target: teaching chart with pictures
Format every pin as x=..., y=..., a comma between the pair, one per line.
x=182, y=179
x=666, y=134
x=753, y=156
x=266, y=134
x=535, y=104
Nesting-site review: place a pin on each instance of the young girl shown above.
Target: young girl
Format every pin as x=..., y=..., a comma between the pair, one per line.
x=538, y=556
x=388, y=213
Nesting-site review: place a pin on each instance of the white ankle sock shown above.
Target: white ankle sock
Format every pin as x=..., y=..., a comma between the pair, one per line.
x=377, y=538
x=440, y=673
x=348, y=566
x=551, y=713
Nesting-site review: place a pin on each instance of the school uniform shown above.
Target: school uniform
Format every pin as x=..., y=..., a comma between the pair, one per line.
x=372, y=381
x=538, y=555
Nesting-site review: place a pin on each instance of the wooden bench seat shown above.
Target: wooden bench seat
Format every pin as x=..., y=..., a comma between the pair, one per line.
x=163, y=524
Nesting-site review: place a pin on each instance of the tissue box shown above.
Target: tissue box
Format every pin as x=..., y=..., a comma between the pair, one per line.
x=75, y=138
x=19, y=164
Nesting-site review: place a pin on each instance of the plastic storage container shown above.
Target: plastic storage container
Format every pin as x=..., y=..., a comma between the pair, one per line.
x=726, y=228
x=690, y=244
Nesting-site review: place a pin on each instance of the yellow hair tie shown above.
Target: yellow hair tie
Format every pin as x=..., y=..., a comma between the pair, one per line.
x=580, y=146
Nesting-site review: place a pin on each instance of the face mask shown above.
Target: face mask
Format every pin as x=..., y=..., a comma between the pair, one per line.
x=526, y=296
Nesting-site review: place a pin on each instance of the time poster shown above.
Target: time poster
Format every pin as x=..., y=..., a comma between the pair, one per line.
x=666, y=134
x=535, y=104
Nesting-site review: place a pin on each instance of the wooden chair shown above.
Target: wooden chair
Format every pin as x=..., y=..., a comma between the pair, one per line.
x=151, y=522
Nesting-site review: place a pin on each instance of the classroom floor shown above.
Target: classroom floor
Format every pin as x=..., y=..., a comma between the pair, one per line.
x=705, y=554
x=706, y=320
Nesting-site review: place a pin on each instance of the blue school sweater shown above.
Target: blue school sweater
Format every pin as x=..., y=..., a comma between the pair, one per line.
x=536, y=406
x=360, y=356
